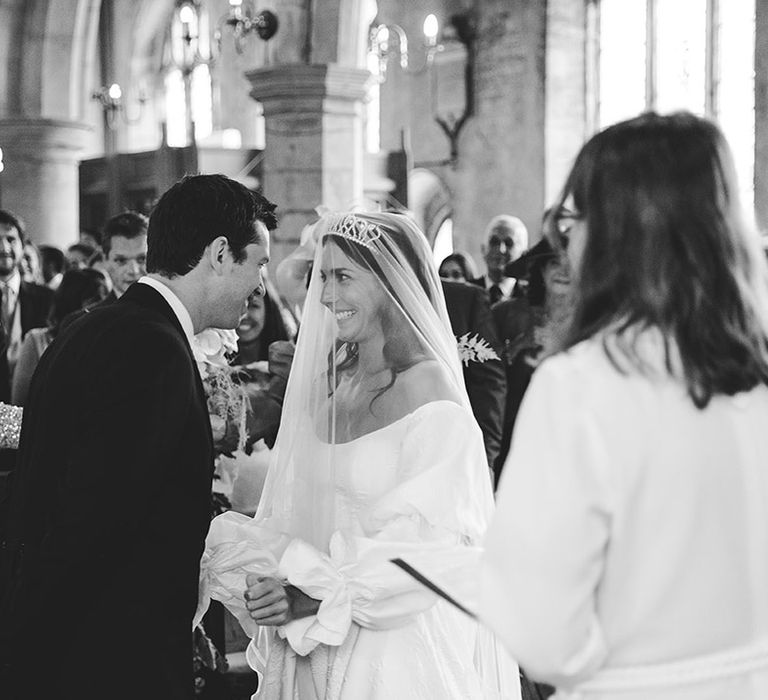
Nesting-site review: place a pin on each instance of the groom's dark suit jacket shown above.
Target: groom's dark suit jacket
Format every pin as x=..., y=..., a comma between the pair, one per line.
x=110, y=505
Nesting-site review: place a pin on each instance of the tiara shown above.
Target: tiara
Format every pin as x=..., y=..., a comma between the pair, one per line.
x=356, y=230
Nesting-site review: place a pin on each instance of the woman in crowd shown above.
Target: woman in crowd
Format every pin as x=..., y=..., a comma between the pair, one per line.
x=532, y=325
x=378, y=456
x=79, y=256
x=628, y=557
x=79, y=289
x=30, y=265
x=458, y=267
x=265, y=323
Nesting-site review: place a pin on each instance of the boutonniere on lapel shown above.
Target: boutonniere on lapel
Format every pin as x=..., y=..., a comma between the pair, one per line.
x=473, y=348
x=227, y=400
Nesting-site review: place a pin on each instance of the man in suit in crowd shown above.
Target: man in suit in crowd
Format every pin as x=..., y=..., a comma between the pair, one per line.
x=23, y=305
x=124, y=242
x=506, y=240
x=124, y=245
x=111, y=499
x=469, y=312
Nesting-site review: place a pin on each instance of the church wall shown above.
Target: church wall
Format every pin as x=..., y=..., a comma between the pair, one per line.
x=501, y=163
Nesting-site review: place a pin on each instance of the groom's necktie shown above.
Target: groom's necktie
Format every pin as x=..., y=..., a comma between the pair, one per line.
x=495, y=293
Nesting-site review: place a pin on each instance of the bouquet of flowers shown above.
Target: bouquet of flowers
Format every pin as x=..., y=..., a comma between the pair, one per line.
x=227, y=399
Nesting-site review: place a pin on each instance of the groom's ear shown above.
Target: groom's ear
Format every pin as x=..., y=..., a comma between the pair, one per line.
x=218, y=253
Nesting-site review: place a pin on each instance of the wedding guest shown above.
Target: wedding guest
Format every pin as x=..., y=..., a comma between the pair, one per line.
x=123, y=256
x=378, y=455
x=79, y=255
x=627, y=558
x=79, y=289
x=98, y=262
x=530, y=326
x=458, y=267
x=22, y=305
x=506, y=240
x=30, y=265
x=52, y=262
x=472, y=323
x=124, y=245
x=90, y=237
x=263, y=325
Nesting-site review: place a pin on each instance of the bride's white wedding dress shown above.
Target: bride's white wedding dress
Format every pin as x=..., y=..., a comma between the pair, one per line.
x=378, y=634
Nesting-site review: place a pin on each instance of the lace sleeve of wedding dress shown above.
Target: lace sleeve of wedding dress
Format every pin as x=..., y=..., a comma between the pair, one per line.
x=10, y=426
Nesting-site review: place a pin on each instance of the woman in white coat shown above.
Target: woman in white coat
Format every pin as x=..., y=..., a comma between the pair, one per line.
x=628, y=557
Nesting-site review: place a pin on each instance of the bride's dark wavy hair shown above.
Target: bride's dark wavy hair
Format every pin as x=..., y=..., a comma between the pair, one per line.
x=402, y=348
x=667, y=248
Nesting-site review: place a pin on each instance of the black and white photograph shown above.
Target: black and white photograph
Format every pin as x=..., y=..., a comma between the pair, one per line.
x=384, y=349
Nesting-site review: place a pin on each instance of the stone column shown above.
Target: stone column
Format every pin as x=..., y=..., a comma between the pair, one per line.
x=40, y=180
x=501, y=168
x=314, y=142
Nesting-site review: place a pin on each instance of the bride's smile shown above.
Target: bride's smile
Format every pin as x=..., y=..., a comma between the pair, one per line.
x=352, y=294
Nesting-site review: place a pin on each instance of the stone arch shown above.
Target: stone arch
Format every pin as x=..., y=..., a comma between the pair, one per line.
x=429, y=201
x=51, y=49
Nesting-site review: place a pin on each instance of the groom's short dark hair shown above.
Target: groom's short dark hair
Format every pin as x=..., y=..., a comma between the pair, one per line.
x=195, y=211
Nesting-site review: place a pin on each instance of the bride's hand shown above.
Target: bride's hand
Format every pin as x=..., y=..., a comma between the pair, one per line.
x=270, y=602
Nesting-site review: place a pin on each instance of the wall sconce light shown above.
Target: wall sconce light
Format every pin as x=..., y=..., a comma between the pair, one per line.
x=390, y=40
x=242, y=21
x=111, y=100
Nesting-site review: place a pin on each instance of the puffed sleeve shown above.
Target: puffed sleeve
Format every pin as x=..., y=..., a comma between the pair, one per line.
x=439, y=511
x=544, y=551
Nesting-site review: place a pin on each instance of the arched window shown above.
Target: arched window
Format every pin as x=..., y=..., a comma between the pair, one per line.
x=668, y=55
x=188, y=87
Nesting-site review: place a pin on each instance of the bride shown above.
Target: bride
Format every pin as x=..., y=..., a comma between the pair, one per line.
x=378, y=457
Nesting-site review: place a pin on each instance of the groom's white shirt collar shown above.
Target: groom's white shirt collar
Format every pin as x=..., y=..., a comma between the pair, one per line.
x=175, y=303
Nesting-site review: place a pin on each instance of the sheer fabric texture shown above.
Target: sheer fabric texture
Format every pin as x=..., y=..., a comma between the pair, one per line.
x=378, y=456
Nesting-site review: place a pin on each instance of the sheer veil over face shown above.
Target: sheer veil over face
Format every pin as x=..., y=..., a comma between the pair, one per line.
x=374, y=346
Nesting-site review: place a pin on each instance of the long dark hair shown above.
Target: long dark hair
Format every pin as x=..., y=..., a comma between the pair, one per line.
x=401, y=351
x=465, y=263
x=274, y=325
x=79, y=289
x=666, y=248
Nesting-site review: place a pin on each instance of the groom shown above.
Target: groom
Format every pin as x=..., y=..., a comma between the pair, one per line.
x=112, y=493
